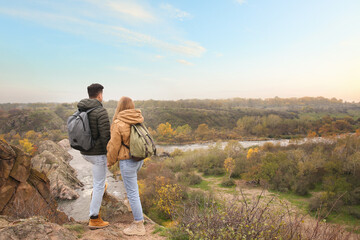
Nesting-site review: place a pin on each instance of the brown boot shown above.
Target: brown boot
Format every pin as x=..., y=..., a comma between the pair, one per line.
x=136, y=228
x=97, y=223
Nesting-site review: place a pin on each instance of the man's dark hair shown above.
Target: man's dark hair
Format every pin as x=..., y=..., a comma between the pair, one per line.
x=94, y=90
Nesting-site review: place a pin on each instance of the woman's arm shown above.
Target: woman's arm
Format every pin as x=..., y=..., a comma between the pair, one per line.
x=114, y=145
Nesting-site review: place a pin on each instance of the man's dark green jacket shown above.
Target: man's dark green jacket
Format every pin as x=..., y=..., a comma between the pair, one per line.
x=99, y=125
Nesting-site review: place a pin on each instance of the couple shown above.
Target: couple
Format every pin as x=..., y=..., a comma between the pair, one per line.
x=107, y=151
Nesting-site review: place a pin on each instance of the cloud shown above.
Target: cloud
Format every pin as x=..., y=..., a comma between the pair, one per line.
x=241, y=1
x=159, y=56
x=182, y=61
x=102, y=31
x=175, y=13
x=131, y=9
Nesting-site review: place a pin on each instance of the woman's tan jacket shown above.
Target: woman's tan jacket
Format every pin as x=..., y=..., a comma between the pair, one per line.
x=120, y=135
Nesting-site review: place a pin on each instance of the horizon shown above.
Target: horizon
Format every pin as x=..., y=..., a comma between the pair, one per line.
x=189, y=99
x=172, y=50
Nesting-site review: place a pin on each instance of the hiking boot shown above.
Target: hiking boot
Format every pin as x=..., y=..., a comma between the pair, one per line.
x=136, y=228
x=97, y=222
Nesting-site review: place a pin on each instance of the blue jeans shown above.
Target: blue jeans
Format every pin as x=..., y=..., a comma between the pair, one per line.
x=129, y=169
x=99, y=176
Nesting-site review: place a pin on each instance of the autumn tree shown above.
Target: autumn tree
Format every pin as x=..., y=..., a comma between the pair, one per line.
x=229, y=165
x=165, y=132
x=202, y=132
x=183, y=133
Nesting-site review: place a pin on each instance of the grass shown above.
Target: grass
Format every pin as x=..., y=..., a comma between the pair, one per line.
x=78, y=228
x=162, y=231
x=204, y=185
x=300, y=202
x=342, y=217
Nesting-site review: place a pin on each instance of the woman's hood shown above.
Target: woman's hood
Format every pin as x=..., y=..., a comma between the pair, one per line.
x=130, y=116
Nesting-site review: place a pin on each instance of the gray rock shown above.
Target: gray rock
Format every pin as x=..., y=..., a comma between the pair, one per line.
x=53, y=160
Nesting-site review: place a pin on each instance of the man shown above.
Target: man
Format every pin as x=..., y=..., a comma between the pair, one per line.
x=100, y=133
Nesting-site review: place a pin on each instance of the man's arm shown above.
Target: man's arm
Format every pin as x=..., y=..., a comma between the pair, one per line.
x=104, y=127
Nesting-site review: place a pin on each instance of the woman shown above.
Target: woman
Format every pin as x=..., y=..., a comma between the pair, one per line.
x=126, y=115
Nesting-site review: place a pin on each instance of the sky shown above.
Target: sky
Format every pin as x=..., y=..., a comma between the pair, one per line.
x=50, y=51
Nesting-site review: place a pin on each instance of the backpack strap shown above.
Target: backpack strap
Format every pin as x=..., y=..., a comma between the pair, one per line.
x=89, y=110
x=147, y=132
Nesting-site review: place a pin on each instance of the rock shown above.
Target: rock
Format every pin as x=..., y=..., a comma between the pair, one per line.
x=65, y=144
x=41, y=183
x=54, y=149
x=6, y=192
x=33, y=228
x=5, y=169
x=26, y=202
x=112, y=208
x=63, y=191
x=6, y=152
x=21, y=168
x=24, y=191
x=53, y=161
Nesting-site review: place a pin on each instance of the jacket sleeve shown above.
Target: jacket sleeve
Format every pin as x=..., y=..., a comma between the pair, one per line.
x=104, y=127
x=114, y=145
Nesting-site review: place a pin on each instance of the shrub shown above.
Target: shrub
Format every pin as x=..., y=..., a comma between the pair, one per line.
x=214, y=171
x=242, y=219
x=189, y=178
x=227, y=182
x=355, y=212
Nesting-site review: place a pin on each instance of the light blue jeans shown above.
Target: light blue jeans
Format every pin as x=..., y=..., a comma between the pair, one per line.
x=99, y=176
x=129, y=169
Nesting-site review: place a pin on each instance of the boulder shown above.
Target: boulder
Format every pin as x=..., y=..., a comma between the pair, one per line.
x=21, y=168
x=24, y=191
x=33, y=228
x=41, y=183
x=65, y=144
x=6, y=192
x=54, y=162
x=112, y=208
x=5, y=169
x=54, y=149
x=6, y=152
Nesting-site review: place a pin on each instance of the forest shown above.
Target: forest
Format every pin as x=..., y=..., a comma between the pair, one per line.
x=187, y=121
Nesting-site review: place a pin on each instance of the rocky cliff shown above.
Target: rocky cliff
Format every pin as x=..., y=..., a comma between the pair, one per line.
x=25, y=191
x=53, y=160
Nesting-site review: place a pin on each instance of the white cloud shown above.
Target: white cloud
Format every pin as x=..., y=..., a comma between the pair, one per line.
x=101, y=32
x=159, y=56
x=175, y=13
x=132, y=9
x=182, y=61
x=241, y=1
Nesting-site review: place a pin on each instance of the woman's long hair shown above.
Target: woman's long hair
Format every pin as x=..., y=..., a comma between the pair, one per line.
x=123, y=104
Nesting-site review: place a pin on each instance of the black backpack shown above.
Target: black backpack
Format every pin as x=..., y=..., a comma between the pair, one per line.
x=79, y=130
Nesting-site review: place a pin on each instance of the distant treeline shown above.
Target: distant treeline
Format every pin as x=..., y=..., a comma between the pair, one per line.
x=194, y=120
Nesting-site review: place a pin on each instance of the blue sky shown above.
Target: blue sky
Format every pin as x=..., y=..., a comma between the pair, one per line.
x=51, y=50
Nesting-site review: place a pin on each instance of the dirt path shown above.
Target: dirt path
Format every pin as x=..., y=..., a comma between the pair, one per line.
x=115, y=231
x=251, y=192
